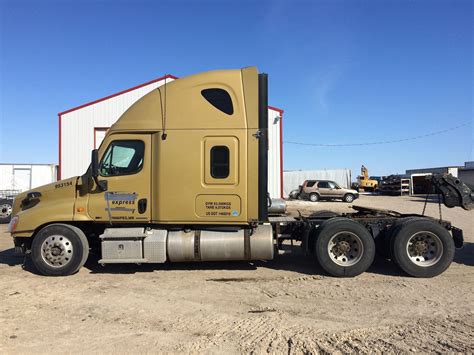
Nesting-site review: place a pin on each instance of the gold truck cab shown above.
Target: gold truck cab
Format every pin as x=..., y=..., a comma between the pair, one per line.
x=190, y=155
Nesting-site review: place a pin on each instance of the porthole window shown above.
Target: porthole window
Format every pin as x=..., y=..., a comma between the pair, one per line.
x=220, y=162
x=220, y=99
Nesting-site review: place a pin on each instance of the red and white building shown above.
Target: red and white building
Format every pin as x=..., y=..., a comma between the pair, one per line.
x=83, y=128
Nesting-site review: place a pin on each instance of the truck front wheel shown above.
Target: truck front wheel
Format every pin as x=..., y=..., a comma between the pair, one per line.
x=59, y=250
x=422, y=248
x=344, y=247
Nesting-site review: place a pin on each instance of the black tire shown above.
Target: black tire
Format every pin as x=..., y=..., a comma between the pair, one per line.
x=437, y=260
x=330, y=230
x=6, y=207
x=349, y=198
x=77, y=246
x=314, y=197
x=387, y=251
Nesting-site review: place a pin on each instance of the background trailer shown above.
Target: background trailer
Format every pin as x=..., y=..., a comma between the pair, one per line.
x=23, y=177
x=83, y=128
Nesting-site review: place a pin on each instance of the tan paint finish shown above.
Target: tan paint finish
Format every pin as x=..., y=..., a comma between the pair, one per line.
x=56, y=205
x=218, y=206
x=180, y=170
x=250, y=80
x=181, y=176
x=137, y=185
x=232, y=143
x=175, y=178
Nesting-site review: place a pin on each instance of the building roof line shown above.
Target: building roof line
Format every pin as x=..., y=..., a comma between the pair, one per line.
x=276, y=109
x=167, y=76
x=35, y=164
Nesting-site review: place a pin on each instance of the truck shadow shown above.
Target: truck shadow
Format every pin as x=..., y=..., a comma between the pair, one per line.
x=422, y=198
x=465, y=255
x=296, y=262
x=10, y=258
x=301, y=264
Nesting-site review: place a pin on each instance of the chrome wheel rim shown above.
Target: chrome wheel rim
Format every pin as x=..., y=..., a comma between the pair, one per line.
x=349, y=198
x=313, y=198
x=345, y=248
x=5, y=210
x=424, y=249
x=57, y=251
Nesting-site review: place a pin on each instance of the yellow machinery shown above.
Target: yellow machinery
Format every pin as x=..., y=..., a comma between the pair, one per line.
x=182, y=176
x=365, y=183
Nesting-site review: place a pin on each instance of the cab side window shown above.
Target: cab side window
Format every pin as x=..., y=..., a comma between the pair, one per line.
x=220, y=158
x=122, y=158
x=323, y=185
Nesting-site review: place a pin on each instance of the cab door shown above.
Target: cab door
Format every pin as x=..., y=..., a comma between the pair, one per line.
x=125, y=164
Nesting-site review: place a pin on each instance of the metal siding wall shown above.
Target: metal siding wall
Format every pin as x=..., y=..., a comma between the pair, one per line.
x=467, y=177
x=77, y=128
x=274, y=154
x=40, y=175
x=6, y=177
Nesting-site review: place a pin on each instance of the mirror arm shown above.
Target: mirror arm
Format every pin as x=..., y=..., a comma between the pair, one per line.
x=101, y=184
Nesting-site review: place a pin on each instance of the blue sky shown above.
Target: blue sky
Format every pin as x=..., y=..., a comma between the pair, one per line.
x=343, y=71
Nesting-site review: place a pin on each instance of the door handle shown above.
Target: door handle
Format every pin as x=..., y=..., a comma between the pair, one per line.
x=142, y=206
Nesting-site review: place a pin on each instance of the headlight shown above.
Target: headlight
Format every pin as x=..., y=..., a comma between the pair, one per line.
x=13, y=223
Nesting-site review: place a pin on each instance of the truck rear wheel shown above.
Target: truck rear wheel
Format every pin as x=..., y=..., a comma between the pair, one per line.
x=344, y=247
x=389, y=238
x=422, y=248
x=59, y=250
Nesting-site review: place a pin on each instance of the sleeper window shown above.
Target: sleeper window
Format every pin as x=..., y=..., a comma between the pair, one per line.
x=220, y=99
x=122, y=158
x=219, y=162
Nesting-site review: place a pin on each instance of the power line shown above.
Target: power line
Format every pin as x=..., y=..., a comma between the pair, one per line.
x=381, y=142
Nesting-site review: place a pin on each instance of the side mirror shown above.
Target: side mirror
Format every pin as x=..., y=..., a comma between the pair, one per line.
x=95, y=163
x=101, y=184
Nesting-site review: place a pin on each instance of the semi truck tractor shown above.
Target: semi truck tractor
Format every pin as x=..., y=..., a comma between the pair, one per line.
x=182, y=177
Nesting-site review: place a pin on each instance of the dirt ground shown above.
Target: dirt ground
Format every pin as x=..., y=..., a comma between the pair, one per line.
x=286, y=305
